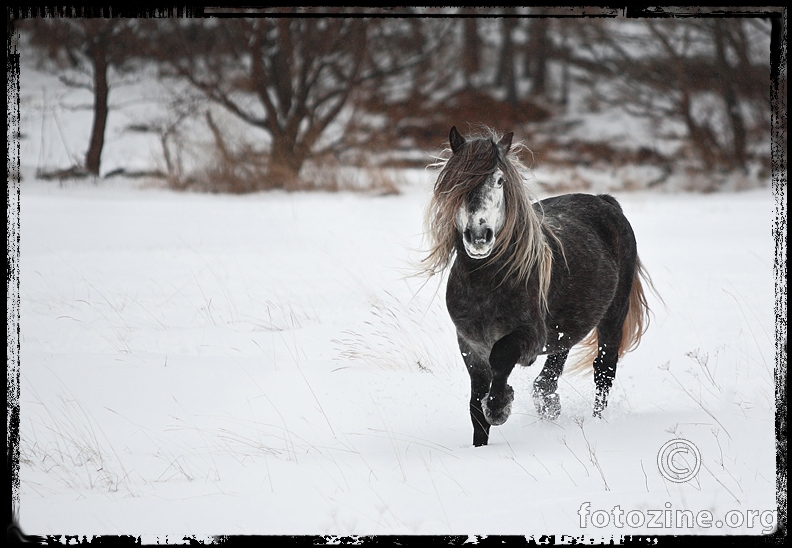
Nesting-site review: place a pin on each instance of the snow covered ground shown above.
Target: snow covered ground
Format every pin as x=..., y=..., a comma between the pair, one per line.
x=260, y=364
x=264, y=364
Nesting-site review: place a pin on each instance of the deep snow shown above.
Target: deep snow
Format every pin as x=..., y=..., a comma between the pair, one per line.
x=260, y=365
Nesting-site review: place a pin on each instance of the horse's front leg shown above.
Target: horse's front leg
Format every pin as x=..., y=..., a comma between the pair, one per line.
x=504, y=356
x=480, y=379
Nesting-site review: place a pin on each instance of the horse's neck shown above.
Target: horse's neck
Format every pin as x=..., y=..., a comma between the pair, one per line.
x=491, y=271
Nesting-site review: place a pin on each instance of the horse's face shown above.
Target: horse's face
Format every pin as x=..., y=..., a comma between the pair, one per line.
x=481, y=216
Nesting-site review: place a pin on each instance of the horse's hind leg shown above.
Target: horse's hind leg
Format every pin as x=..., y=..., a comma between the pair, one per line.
x=609, y=338
x=546, y=400
x=604, y=373
x=480, y=379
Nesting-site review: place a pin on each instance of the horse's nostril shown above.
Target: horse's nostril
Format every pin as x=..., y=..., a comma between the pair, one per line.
x=468, y=237
x=489, y=235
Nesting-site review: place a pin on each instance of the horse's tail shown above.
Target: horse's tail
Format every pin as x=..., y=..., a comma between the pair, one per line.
x=633, y=328
x=637, y=320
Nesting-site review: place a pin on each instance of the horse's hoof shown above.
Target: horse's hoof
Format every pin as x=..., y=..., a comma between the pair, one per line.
x=600, y=403
x=597, y=414
x=548, y=406
x=496, y=414
x=598, y=409
x=497, y=410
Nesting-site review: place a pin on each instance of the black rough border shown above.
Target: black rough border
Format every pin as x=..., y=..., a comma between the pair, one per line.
x=778, y=63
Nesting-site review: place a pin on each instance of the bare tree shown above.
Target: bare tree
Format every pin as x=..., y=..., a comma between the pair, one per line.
x=84, y=51
x=703, y=73
x=537, y=53
x=471, y=47
x=506, y=76
x=290, y=77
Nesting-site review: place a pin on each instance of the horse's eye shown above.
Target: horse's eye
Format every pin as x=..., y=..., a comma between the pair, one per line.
x=499, y=182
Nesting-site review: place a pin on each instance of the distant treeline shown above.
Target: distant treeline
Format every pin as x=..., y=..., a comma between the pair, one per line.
x=364, y=81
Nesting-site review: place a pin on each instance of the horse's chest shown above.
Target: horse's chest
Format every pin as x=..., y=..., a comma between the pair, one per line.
x=483, y=313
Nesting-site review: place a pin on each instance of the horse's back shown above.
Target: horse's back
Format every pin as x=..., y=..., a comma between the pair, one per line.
x=589, y=219
x=611, y=200
x=593, y=252
x=579, y=203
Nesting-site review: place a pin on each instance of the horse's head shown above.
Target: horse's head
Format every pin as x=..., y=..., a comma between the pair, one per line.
x=481, y=208
x=482, y=213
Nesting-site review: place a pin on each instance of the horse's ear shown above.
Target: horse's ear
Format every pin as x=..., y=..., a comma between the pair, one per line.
x=505, y=143
x=456, y=140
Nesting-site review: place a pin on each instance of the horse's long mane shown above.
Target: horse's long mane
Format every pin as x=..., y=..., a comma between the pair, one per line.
x=521, y=244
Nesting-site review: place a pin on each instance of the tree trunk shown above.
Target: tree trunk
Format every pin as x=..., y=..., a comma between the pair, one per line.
x=537, y=54
x=726, y=78
x=471, y=48
x=285, y=163
x=506, y=77
x=701, y=136
x=93, y=157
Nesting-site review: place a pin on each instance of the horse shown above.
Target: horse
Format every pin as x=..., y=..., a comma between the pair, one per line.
x=530, y=278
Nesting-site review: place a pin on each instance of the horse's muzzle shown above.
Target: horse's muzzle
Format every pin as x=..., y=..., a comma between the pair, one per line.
x=479, y=241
